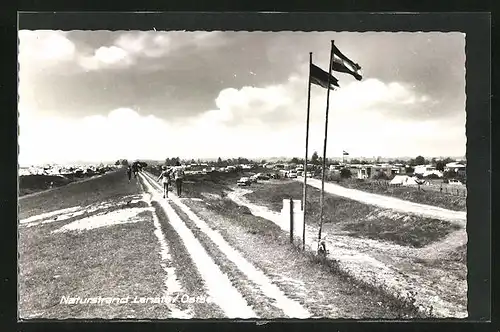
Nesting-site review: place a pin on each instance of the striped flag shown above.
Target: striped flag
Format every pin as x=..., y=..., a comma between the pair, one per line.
x=345, y=153
x=343, y=64
x=320, y=77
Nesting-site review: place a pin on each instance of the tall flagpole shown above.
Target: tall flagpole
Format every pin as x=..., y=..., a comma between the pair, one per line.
x=322, y=201
x=304, y=194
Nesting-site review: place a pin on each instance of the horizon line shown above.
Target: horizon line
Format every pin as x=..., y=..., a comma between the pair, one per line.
x=253, y=159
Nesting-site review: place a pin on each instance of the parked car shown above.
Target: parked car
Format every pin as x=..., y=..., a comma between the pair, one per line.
x=254, y=178
x=261, y=176
x=292, y=174
x=244, y=181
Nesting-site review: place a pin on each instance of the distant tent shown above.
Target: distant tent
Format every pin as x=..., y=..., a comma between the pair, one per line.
x=404, y=180
x=399, y=179
x=411, y=181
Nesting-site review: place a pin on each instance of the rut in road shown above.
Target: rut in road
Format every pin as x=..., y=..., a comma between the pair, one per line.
x=429, y=211
x=219, y=287
x=171, y=283
x=291, y=308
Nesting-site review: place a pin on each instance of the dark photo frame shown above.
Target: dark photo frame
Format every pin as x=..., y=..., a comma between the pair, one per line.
x=477, y=30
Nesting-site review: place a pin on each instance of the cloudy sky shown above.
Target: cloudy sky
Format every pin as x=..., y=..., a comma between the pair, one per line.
x=102, y=95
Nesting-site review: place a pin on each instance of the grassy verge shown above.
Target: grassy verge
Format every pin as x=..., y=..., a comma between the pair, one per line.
x=29, y=184
x=262, y=305
x=459, y=255
x=318, y=285
x=412, y=194
x=252, y=224
x=186, y=269
x=403, y=230
x=115, y=261
x=357, y=218
x=110, y=186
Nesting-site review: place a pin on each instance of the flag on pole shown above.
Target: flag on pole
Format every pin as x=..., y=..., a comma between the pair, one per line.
x=304, y=189
x=322, y=197
x=320, y=77
x=343, y=64
x=345, y=153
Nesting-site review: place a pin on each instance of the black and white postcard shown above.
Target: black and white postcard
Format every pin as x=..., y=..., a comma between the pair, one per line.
x=171, y=174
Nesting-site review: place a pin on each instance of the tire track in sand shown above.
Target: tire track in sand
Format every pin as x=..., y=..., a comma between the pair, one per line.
x=291, y=308
x=219, y=287
x=171, y=283
x=396, y=204
x=365, y=260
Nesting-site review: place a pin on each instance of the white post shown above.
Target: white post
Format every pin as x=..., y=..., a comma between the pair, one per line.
x=298, y=217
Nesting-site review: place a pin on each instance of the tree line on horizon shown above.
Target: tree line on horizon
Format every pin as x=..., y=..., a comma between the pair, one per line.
x=315, y=160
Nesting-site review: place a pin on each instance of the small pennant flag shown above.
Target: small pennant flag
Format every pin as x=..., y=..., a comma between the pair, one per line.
x=345, y=153
x=320, y=77
x=343, y=64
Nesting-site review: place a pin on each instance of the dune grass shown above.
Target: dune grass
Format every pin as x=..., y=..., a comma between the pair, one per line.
x=29, y=184
x=355, y=217
x=115, y=261
x=317, y=285
x=94, y=190
x=424, y=196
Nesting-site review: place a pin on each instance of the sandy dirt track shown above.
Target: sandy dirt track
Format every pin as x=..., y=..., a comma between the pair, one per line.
x=397, y=269
x=429, y=211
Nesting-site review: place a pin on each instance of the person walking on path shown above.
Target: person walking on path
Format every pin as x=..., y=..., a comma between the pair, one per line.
x=129, y=173
x=178, y=173
x=165, y=179
x=134, y=169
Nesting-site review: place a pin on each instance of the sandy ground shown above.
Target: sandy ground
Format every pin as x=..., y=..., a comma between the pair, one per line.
x=172, y=285
x=69, y=261
x=113, y=247
x=324, y=293
x=267, y=284
x=218, y=285
x=458, y=217
x=103, y=220
x=116, y=223
x=290, y=308
x=403, y=271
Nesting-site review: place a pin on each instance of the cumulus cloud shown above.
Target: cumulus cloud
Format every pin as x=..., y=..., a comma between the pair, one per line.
x=247, y=122
x=51, y=46
x=357, y=119
x=105, y=57
x=130, y=47
x=244, y=93
x=252, y=105
x=120, y=134
x=124, y=51
x=277, y=105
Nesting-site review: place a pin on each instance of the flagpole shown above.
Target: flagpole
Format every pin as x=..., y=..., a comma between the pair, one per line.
x=304, y=194
x=322, y=200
